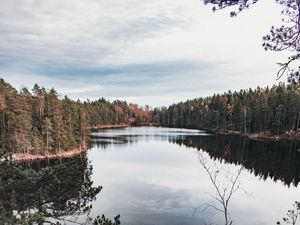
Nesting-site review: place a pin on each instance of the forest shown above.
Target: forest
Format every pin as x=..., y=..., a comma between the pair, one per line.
x=274, y=110
x=40, y=122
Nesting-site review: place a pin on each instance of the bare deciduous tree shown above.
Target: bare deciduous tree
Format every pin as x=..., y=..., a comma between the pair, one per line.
x=224, y=190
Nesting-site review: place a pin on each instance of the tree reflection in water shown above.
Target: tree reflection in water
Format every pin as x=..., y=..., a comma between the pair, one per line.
x=60, y=193
x=278, y=160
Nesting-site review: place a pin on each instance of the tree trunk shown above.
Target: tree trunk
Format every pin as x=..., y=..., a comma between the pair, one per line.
x=298, y=121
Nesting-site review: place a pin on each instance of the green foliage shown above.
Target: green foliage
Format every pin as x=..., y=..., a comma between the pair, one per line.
x=104, y=221
x=40, y=122
x=248, y=111
x=47, y=195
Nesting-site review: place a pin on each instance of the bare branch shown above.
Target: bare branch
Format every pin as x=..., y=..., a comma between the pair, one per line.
x=223, y=193
x=285, y=37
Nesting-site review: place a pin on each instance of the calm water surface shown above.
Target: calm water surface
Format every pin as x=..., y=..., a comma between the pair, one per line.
x=153, y=176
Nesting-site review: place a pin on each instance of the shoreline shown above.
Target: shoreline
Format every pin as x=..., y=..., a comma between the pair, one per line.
x=264, y=135
x=21, y=157
x=25, y=157
x=108, y=126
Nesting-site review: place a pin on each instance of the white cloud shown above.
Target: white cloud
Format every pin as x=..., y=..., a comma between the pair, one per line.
x=151, y=48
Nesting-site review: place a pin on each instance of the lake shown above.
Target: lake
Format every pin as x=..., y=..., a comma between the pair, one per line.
x=160, y=176
x=156, y=176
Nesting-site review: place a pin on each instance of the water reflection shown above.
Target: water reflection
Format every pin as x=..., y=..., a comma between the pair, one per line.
x=153, y=177
x=107, y=138
x=40, y=195
x=278, y=160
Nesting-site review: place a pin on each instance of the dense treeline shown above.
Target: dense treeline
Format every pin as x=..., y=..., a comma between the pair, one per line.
x=275, y=109
x=38, y=121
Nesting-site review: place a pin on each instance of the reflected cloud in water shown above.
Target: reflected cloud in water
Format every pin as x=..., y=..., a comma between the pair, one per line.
x=124, y=136
x=157, y=179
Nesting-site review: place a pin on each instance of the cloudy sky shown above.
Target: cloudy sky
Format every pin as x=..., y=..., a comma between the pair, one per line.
x=148, y=52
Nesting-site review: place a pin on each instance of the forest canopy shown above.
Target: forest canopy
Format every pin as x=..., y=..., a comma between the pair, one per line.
x=275, y=110
x=40, y=122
